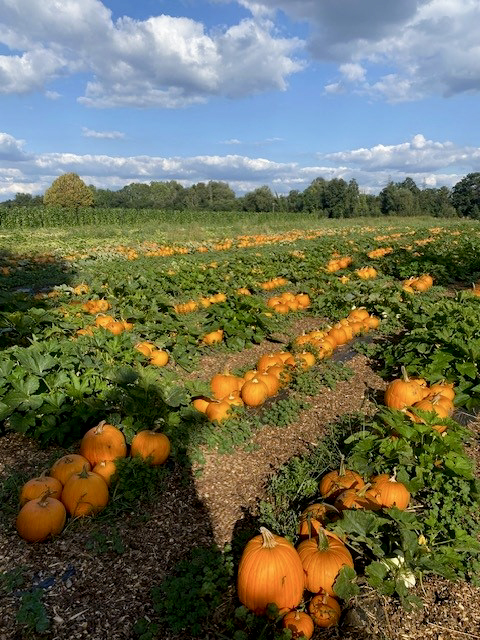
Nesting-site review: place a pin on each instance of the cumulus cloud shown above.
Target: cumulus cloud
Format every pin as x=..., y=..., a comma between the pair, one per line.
x=429, y=46
x=108, y=135
x=418, y=155
x=428, y=162
x=11, y=149
x=163, y=61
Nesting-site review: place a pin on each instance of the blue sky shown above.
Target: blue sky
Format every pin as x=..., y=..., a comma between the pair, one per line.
x=251, y=92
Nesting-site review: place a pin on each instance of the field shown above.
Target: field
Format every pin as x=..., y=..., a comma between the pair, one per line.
x=214, y=297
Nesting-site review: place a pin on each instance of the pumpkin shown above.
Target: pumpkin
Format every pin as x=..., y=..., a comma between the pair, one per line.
x=269, y=360
x=270, y=571
x=145, y=347
x=358, y=315
x=106, y=469
x=403, y=392
x=201, y=403
x=38, y=487
x=38, y=519
x=223, y=384
x=67, y=465
x=151, y=446
x=322, y=558
x=442, y=406
x=103, y=320
x=365, y=498
x=254, y=392
x=444, y=389
x=281, y=373
x=159, y=358
x=338, y=335
x=234, y=400
x=312, y=520
x=325, y=610
x=303, y=300
x=103, y=442
x=334, y=482
x=306, y=359
x=389, y=492
x=85, y=493
x=271, y=381
x=299, y=623
x=218, y=410
x=213, y=337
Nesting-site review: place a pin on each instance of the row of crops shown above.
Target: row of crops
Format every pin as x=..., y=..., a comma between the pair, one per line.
x=79, y=351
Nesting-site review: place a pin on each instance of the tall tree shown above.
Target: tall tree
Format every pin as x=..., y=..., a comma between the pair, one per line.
x=68, y=190
x=466, y=196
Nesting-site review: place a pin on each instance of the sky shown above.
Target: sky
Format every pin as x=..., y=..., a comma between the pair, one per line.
x=250, y=92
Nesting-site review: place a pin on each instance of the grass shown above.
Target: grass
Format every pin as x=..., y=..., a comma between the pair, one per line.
x=183, y=227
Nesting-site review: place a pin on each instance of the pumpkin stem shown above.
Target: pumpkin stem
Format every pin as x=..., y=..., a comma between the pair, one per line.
x=43, y=502
x=268, y=539
x=393, y=477
x=361, y=492
x=342, y=470
x=99, y=427
x=322, y=540
x=404, y=374
x=84, y=472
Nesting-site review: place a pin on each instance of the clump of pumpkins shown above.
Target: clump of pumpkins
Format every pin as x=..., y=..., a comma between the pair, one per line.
x=422, y=283
x=366, y=273
x=77, y=484
x=338, y=263
x=273, y=571
x=288, y=301
x=380, y=252
x=274, y=371
x=408, y=394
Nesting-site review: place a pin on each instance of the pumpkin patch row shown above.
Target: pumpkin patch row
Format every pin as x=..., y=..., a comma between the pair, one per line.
x=77, y=484
x=274, y=371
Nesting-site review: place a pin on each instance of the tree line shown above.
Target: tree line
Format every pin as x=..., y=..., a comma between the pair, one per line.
x=334, y=198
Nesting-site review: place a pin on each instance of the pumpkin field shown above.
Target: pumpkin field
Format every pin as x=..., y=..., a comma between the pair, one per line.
x=257, y=428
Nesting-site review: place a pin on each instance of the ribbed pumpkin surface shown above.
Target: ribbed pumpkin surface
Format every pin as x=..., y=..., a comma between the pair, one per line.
x=270, y=571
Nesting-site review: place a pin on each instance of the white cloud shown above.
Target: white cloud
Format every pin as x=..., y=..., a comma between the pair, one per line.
x=11, y=149
x=108, y=135
x=416, y=156
x=232, y=141
x=163, y=61
x=428, y=46
x=428, y=162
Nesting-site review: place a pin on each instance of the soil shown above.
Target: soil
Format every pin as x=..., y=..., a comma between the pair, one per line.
x=98, y=593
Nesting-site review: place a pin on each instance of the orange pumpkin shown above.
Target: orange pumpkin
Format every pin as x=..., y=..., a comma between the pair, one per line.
x=299, y=623
x=85, y=493
x=334, y=482
x=67, y=465
x=159, y=358
x=312, y=520
x=403, y=392
x=106, y=469
x=37, y=487
x=325, y=610
x=322, y=559
x=270, y=571
x=389, y=492
x=103, y=442
x=254, y=392
x=223, y=384
x=38, y=519
x=151, y=446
